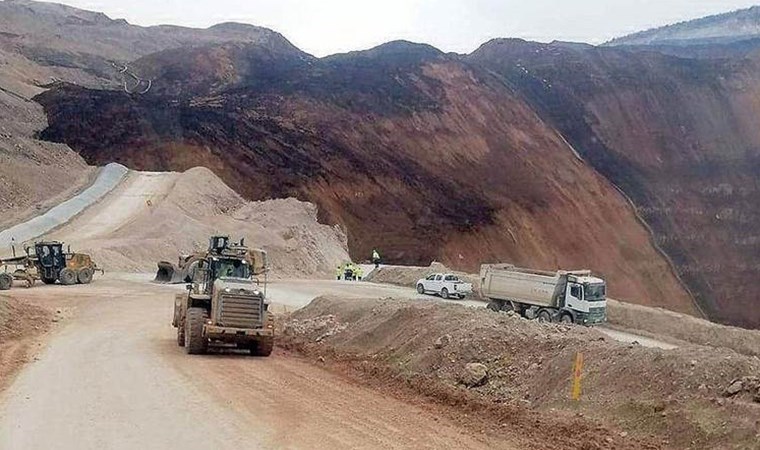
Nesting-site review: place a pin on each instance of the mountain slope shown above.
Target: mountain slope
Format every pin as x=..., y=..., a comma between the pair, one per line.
x=679, y=136
x=41, y=43
x=723, y=28
x=412, y=151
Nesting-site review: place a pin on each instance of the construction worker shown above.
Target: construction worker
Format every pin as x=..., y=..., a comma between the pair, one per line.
x=339, y=272
x=359, y=273
x=376, y=258
x=348, y=273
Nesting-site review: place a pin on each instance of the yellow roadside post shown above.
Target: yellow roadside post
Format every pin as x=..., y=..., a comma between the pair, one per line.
x=577, y=373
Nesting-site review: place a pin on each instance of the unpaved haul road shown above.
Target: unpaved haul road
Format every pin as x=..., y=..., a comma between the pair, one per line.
x=133, y=196
x=112, y=377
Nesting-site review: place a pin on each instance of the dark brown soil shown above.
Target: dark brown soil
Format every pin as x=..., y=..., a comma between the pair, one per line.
x=21, y=324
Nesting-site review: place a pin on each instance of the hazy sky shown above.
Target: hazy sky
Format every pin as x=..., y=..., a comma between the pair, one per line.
x=330, y=26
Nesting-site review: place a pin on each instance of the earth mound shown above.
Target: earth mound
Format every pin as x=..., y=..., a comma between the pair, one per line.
x=632, y=396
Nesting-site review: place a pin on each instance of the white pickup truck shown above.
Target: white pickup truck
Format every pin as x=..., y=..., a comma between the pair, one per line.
x=444, y=284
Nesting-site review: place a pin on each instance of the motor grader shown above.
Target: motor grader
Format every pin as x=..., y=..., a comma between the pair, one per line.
x=225, y=305
x=49, y=263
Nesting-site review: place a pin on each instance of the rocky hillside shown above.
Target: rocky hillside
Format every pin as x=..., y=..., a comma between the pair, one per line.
x=678, y=136
x=529, y=153
x=730, y=27
x=45, y=43
x=412, y=151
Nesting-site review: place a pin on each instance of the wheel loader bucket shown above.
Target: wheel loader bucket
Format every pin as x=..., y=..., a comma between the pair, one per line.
x=168, y=273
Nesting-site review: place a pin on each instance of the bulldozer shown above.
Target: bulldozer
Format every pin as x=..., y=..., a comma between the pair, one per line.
x=49, y=263
x=184, y=270
x=225, y=305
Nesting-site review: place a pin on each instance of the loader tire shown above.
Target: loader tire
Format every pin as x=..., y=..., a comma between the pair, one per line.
x=263, y=347
x=6, y=281
x=181, y=335
x=85, y=276
x=68, y=277
x=48, y=280
x=195, y=343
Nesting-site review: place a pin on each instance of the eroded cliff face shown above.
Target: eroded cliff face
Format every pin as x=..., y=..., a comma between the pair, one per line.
x=412, y=151
x=679, y=136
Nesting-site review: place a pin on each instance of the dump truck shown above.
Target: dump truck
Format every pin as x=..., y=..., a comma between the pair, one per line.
x=225, y=305
x=562, y=296
x=48, y=262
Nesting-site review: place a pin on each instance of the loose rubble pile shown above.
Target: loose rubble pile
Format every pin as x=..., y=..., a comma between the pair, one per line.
x=688, y=397
x=198, y=204
x=748, y=387
x=322, y=327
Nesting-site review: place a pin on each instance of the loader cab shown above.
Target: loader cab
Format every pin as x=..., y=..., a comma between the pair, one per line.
x=217, y=244
x=231, y=268
x=215, y=268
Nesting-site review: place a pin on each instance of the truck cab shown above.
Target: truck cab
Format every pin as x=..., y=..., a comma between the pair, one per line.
x=584, y=300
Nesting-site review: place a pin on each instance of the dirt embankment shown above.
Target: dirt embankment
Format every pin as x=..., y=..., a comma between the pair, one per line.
x=519, y=374
x=409, y=275
x=661, y=322
x=20, y=324
x=658, y=322
x=157, y=217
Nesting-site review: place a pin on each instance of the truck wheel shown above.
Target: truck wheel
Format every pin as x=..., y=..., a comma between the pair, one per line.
x=544, y=316
x=507, y=307
x=195, y=343
x=68, y=277
x=85, y=276
x=494, y=306
x=263, y=347
x=566, y=319
x=445, y=294
x=420, y=289
x=6, y=281
x=181, y=335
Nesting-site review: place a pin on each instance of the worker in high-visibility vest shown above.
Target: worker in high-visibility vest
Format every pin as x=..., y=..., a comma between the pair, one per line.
x=339, y=272
x=376, y=258
x=359, y=273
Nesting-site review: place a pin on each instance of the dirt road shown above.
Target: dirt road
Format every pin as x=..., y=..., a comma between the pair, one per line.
x=113, y=377
x=136, y=194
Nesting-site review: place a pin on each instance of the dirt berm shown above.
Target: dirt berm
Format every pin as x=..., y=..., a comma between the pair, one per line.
x=519, y=375
x=409, y=275
x=20, y=324
x=657, y=323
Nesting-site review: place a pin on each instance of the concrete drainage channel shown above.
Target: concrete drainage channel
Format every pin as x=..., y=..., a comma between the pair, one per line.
x=108, y=178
